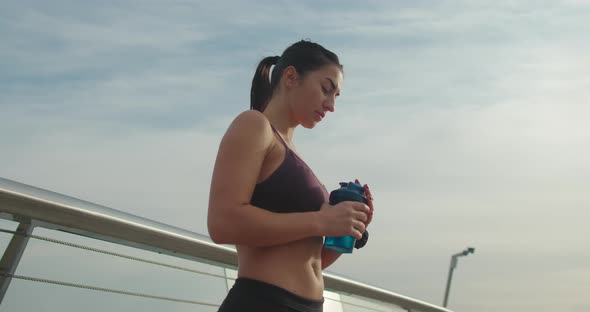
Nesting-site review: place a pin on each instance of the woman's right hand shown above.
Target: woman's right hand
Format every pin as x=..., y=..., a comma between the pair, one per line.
x=344, y=218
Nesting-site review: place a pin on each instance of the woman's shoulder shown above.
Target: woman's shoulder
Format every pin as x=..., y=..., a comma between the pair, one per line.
x=250, y=125
x=252, y=118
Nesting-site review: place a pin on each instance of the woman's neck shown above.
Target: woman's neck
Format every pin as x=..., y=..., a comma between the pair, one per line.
x=279, y=114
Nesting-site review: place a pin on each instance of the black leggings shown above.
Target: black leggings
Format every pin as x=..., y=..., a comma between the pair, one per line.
x=252, y=295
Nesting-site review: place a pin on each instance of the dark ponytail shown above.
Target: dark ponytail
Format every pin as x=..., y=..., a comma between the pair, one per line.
x=261, y=89
x=304, y=55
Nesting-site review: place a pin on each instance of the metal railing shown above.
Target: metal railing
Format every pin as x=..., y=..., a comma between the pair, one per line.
x=33, y=207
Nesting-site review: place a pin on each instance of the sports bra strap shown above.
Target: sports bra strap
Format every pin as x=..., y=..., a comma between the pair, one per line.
x=280, y=137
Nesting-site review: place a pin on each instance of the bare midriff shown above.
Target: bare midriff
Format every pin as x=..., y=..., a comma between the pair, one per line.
x=295, y=266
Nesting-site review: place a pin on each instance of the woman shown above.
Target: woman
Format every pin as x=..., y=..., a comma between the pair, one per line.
x=266, y=201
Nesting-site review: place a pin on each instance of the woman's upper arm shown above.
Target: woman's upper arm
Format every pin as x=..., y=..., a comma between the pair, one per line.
x=239, y=159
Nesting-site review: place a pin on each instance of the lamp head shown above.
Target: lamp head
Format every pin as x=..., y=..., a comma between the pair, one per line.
x=468, y=251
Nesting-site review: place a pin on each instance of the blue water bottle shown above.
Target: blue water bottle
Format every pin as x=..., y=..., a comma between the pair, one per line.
x=347, y=192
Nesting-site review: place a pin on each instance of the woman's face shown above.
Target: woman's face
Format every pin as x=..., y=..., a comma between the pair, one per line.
x=314, y=95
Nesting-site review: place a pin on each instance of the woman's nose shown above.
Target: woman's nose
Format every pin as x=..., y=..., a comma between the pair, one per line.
x=329, y=104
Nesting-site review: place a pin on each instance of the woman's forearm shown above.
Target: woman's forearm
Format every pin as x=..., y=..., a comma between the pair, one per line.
x=254, y=226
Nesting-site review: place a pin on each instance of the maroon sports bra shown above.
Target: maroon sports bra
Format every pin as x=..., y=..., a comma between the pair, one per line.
x=292, y=187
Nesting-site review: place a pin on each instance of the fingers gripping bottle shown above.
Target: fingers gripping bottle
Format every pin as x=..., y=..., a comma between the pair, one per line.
x=347, y=192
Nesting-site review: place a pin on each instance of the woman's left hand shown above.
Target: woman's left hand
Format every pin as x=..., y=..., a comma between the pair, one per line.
x=369, y=201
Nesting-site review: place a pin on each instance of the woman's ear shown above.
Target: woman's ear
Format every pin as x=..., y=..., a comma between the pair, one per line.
x=290, y=76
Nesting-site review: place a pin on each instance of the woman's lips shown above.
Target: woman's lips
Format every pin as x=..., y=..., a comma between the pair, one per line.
x=321, y=115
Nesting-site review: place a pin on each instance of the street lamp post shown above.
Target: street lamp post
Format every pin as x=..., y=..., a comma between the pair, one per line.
x=452, y=267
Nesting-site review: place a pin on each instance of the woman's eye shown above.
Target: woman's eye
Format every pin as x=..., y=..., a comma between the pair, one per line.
x=325, y=90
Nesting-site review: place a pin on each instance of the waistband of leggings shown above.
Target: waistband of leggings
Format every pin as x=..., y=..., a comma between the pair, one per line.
x=273, y=292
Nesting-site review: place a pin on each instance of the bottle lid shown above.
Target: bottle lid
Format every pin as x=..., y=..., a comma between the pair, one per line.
x=354, y=186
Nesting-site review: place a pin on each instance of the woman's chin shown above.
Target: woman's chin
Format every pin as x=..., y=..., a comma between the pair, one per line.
x=310, y=125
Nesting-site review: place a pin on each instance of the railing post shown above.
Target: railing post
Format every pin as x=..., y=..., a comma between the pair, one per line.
x=12, y=256
x=225, y=280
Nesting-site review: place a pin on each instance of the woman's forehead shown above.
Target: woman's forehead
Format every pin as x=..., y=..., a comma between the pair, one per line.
x=333, y=72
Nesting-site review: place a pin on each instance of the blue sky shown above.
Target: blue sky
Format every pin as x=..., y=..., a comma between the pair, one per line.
x=468, y=119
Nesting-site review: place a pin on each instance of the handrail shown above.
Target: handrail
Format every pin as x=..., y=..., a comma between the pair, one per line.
x=42, y=208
